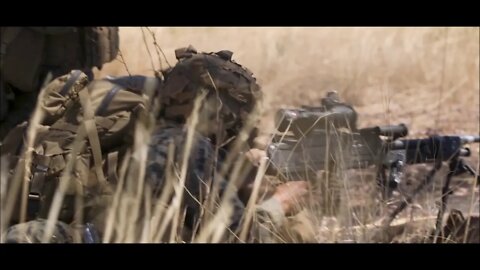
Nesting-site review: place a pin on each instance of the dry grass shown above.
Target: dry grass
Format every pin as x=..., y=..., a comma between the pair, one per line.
x=427, y=78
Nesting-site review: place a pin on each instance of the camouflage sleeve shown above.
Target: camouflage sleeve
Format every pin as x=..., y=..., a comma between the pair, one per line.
x=199, y=170
x=268, y=215
x=272, y=211
x=157, y=161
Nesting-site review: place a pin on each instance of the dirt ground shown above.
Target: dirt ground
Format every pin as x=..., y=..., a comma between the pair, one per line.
x=427, y=78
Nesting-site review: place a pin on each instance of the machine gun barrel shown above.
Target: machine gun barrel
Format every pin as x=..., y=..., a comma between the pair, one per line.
x=470, y=139
x=434, y=148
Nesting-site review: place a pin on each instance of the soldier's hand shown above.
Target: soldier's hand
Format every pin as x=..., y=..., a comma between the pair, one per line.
x=291, y=195
x=255, y=156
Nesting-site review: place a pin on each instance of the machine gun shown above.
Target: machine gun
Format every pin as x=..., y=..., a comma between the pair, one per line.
x=326, y=138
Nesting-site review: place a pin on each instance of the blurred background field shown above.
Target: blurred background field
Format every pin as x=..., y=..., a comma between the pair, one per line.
x=427, y=78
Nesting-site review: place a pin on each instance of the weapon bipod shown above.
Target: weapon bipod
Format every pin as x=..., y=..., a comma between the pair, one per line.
x=457, y=166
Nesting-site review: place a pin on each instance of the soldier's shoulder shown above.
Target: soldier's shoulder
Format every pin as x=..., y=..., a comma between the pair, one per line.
x=175, y=140
x=167, y=146
x=167, y=134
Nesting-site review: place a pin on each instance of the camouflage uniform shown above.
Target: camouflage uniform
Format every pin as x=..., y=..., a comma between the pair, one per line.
x=238, y=91
x=232, y=95
x=268, y=215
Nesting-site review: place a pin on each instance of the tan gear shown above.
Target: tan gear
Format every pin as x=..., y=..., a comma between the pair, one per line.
x=28, y=53
x=105, y=112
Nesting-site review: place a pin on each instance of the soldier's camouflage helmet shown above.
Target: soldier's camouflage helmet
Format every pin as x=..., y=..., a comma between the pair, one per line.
x=216, y=72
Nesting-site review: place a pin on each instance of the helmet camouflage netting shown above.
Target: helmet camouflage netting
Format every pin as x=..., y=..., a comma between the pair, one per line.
x=216, y=72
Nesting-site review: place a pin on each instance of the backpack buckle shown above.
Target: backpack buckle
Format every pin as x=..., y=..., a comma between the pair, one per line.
x=35, y=192
x=38, y=179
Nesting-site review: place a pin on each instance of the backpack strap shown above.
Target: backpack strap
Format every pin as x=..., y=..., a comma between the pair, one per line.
x=134, y=83
x=120, y=84
x=106, y=100
x=91, y=130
